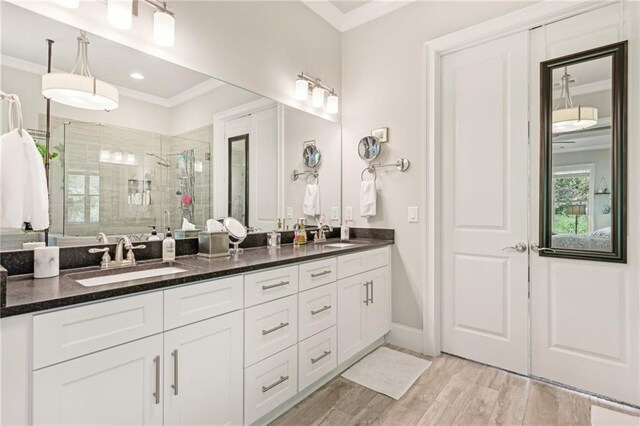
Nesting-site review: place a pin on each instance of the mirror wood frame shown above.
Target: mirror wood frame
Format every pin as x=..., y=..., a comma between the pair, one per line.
x=618, y=253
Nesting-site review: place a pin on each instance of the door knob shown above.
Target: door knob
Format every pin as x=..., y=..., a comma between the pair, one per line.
x=520, y=248
x=535, y=247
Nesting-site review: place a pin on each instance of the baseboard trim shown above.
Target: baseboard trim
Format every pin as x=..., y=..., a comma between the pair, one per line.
x=405, y=337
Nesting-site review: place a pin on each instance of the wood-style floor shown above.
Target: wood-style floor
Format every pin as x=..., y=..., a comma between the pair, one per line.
x=452, y=391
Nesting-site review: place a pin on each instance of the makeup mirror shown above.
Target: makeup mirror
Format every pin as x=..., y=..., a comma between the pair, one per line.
x=369, y=148
x=237, y=233
x=311, y=156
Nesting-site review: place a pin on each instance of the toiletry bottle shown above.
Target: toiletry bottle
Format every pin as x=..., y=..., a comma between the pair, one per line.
x=296, y=235
x=154, y=234
x=168, y=247
x=344, y=231
x=303, y=233
x=279, y=224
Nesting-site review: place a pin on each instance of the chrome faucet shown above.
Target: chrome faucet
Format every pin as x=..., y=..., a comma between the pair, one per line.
x=320, y=236
x=102, y=238
x=123, y=243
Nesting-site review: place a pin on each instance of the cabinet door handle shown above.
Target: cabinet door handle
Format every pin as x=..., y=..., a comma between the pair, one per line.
x=326, y=307
x=325, y=354
x=174, y=386
x=371, y=284
x=319, y=274
x=273, y=385
x=276, y=328
x=280, y=284
x=156, y=394
x=366, y=299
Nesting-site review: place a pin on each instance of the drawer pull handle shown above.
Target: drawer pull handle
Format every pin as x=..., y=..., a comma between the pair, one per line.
x=273, y=385
x=156, y=394
x=371, y=284
x=326, y=307
x=175, y=372
x=280, y=284
x=320, y=274
x=324, y=355
x=276, y=328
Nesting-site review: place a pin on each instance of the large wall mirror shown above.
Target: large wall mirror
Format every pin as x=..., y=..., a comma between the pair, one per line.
x=181, y=145
x=583, y=158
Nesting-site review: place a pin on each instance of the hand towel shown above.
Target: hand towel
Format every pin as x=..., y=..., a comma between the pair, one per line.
x=186, y=225
x=24, y=196
x=368, y=198
x=311, y=203
x=214, y=226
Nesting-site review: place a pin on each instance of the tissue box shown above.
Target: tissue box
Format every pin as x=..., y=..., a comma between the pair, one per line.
x=213, y=244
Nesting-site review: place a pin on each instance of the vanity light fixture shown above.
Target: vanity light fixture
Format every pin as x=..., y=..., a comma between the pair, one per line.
x=119, y=13
x=164, y=27
x=70, y=4
x=306, y=84
x=566, y=116
x=80, y=88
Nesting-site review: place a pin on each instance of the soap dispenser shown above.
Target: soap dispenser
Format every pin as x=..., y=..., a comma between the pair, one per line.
x=168, y=247
x=154, y=234
x=344, y=231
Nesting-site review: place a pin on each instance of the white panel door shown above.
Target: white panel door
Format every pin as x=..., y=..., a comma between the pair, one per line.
x=203, y=372
x=584, y=314
x=484, y=202
x=117, y=386
x=352, y=316
x=264, y=170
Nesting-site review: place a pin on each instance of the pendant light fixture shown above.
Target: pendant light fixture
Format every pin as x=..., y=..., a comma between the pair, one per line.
x=80, y=88
x=164, y=27
x=318, y=92
x=566, y=116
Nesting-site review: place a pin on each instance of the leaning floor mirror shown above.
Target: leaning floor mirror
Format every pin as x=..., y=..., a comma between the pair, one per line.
x=583, y=155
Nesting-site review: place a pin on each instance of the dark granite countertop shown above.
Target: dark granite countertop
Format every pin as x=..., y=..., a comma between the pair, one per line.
x=24, y=294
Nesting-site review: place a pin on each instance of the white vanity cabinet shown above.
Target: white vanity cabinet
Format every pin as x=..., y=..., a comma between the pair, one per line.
x=364, y=301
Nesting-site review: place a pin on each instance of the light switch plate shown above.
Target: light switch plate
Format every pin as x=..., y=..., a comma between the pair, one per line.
x=335, y=213
x=348, y=213
x=289, y=212
x=412, y=214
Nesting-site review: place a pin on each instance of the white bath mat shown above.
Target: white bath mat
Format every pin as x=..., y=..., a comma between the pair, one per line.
x=605, y=417
x=387, y=371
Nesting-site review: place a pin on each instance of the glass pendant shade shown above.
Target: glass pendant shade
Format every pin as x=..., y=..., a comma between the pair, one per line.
x=332, y=104
x=71, y=4
x=164, y=29
x=119, y=13
x=80, y=88
x=572, y=119
x=317, y=97
x=302, y=89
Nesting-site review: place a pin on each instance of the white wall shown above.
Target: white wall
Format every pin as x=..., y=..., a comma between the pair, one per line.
x=260, y=46
x=300, y=127
x=382, y=80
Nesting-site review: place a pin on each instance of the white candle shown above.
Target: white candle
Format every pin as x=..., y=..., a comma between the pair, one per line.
x=46, y=262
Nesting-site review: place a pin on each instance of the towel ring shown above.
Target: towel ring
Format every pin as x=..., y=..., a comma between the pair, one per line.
x=371, y=170
x=313, y=174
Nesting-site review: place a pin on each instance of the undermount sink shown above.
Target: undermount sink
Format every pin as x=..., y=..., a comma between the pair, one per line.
x=340, y=245
x=129, y=276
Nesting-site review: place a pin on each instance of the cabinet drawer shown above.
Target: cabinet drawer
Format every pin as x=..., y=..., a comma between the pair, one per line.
x=317, y=357
x=269, y=285
x=69, y=333
x=270, y=328
x=376, y=258
x=357, y=263
x=270, y=383
x=188, y=304
x=320, y=272
x=317, y=310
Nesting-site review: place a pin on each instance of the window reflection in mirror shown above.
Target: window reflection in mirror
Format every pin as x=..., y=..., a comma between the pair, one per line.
x=583, y=165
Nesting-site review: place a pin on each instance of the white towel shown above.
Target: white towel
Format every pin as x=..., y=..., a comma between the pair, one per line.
x=368, y=198
x=186, y=225
x=24, y=196
x=311, y=203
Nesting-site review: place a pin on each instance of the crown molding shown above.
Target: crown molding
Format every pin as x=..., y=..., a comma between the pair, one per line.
x=359, y=16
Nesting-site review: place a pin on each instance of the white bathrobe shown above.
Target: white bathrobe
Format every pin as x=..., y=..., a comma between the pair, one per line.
x=24, y=196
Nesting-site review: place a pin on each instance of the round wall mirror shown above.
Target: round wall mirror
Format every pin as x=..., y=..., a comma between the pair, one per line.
x=311, y=156
x=369, y=148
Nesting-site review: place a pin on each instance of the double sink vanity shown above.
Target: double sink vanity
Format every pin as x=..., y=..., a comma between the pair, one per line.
x=236, y=340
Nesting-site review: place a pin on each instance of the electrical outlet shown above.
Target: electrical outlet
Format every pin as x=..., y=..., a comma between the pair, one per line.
x=348, y=213
x=289, y=212
x=335, y=213
x=412, y=214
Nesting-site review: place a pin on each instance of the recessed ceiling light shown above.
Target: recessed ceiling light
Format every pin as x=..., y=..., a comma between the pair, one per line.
x=136, y=76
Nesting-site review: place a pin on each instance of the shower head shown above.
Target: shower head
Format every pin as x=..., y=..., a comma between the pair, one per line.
x=163, y=161
x=164, y=164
